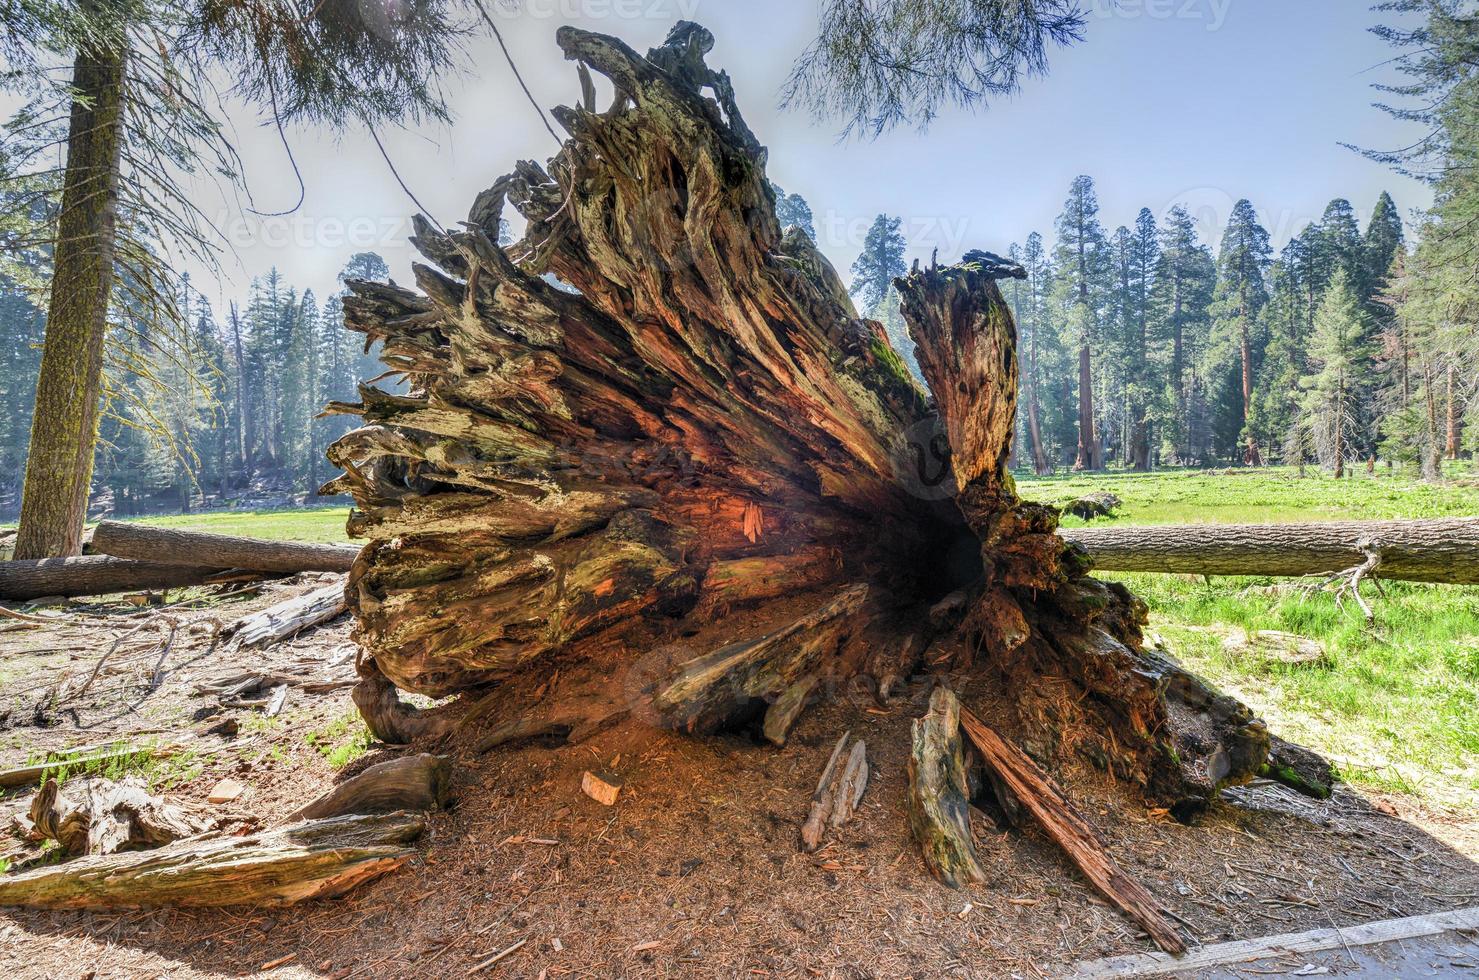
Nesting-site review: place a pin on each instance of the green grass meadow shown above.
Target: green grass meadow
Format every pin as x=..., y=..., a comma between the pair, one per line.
x=323, y=524
x=1396, y=704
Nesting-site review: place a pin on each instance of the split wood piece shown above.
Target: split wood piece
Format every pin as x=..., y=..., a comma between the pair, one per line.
x=1437, y=550
x=30, y=775
x=821, y=799
x=782, y=714
x=92, y=575
x=100, y=816
x=303, y=861
x=171, y=545
x=291, y=617
x=604, y=788
x=850, y=785
x=939, y=807
x=714, y=689
x=1035, y=791
x=412, y=782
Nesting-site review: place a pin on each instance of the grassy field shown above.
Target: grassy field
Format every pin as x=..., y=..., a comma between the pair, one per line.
x=1277, y=495
x=311, y=524
x=1397, y=704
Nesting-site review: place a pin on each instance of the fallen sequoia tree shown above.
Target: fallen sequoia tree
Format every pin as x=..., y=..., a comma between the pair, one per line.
x=1440, y=550
x=652, y=463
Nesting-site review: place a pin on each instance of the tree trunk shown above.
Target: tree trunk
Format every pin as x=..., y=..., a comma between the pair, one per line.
x=1452, y=427
x=92, y=575
x=244, y=400
x=1441, y=550
x=64, y=428
x=172, y=546
x=1251, y=456
x=589, y=477
x=1089, y=457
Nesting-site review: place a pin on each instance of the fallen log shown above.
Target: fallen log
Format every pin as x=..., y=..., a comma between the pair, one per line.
x=290, y=617
x=303, y=861
x=1437, y=550
x=1040, y=796
x=657, y=407
x=100, y=816
x=93, y=575
x=164, y=544
x=413, y=782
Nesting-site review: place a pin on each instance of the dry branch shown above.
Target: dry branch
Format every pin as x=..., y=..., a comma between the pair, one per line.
x=170, y=545
x=308, y=860
x=1032, y=788
x=1437, y=550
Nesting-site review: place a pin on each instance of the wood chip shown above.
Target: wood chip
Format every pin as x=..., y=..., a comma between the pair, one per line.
x=225, y=791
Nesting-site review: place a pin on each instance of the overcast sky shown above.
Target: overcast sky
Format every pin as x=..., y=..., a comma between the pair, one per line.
x=1198, y=102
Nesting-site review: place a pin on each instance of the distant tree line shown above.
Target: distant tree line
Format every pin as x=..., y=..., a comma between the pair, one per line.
x=1144, y=347
x=225, y=410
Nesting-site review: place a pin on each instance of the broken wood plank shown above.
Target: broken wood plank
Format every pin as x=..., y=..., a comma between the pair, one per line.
x=291, y=617
x=412, y=782
x=172, y=545
x=1035, y=791
x=297, y=863
x=850, y=785
x=939, y=811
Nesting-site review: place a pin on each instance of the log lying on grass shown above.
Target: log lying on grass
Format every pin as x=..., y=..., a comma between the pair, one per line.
x=1030, y=788
x=171, y=545
x=1438, y=550
x=656, y=422
x=92, y=575
x=307, y=860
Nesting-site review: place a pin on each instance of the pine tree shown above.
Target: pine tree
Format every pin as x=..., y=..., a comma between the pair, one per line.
x=881, y=261
x=1241, y=295
x=1081, y=261
x=1183, y=287
x=792, y=209
x=1337, y=358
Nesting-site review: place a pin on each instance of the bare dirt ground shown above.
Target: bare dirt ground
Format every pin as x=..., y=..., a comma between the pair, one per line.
x=695, y=872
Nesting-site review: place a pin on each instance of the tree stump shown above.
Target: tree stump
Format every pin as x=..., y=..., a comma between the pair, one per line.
x=650, y=460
